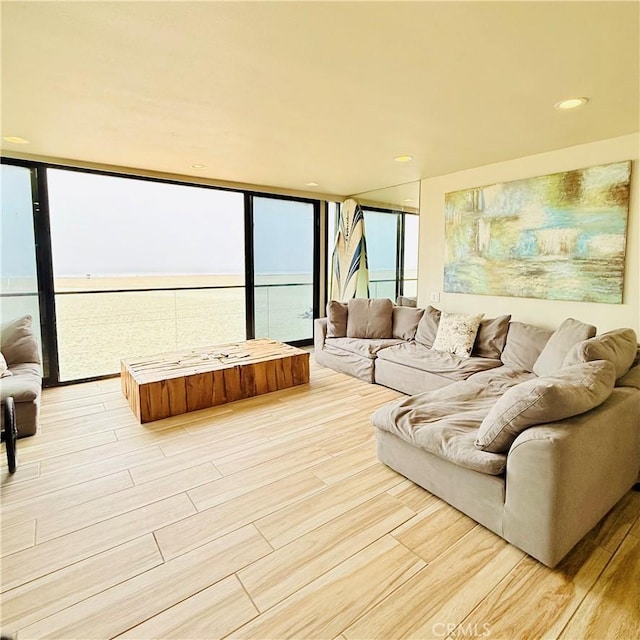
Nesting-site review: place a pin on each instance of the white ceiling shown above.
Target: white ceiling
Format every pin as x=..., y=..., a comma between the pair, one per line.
x=285, y=93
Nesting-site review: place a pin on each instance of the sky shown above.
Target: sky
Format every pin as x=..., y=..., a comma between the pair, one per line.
x=17, y=251
x=104, y=226
x=112, y=226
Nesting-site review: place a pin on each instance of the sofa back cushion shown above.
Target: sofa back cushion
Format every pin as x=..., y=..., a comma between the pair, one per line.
x=491, y=338
x=562, y=394
x=569, y=333
x=457, y=333
x=18, y=343
x=524, y=344
x=618, y=346
x=405, y=322
x=407, y=301
x=336, y=319
x=428, y=327
x=370, y=318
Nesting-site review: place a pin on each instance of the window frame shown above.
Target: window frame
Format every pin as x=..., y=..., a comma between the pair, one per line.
x=399, y=240
x=44, y=258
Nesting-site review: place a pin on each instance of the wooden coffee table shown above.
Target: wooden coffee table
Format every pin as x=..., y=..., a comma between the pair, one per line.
x=169, y=384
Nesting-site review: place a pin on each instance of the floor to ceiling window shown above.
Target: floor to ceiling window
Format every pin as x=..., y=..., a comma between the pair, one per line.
x=392, y=250
x=142, y=267
x=128, y=266
x=18, y=272
x=381, y=231
x=284, y=241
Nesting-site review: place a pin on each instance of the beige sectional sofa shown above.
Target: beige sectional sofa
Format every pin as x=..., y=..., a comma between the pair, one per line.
x=536, y=444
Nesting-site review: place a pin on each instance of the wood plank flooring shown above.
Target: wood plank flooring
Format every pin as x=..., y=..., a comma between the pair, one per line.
x=271, y=518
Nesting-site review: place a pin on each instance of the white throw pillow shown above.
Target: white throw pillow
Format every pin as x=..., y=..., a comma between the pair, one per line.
x=457, y=333
x=562, y=394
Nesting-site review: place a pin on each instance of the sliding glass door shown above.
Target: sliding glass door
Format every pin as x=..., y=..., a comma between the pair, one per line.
x=142, y=267
x=114, y=266
x=284, y=257
x=18, y=272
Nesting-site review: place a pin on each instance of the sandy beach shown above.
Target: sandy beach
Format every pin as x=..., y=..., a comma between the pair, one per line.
x=101, y=320
x=106, y=319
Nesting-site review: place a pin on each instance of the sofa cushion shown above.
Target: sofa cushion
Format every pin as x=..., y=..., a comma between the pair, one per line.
x=359, y=346
x=24, y=385
x=428, y=327
x=405, y=322
x=525, y=343
x=18, y=343
x=346, y=362
x=417, y=356
x=336, y=319
x=501, y=378
x=407, y=301
x=457, y=333
x=562, y=394
x=445, y=423
x=491, y=338
x=370, y=318
x=4, y=370
x=619, y=347
x=559, y=344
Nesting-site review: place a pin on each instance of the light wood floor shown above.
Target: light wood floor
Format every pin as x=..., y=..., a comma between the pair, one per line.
x=271, y=518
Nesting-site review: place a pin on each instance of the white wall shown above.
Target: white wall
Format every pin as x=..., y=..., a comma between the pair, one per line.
x=548, y=313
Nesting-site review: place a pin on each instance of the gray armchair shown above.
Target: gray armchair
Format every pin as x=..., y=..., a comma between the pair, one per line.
x=23, y=378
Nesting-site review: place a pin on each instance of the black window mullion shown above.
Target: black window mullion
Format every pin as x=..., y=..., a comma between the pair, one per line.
x=44, y=266
x=400, y=256
x=316, y=257
x=249, y=279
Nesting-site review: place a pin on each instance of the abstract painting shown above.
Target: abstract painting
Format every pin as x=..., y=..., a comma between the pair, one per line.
x=559, y=237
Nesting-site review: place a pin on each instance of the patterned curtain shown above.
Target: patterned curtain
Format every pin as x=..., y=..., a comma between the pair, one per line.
x=350, y=273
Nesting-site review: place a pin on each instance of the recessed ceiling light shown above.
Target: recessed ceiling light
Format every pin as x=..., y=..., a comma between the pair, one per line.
x=570, y=103
x=198, y=166
x=408, y=200
x=403, y=158
x=16, y=140
x=311, y=184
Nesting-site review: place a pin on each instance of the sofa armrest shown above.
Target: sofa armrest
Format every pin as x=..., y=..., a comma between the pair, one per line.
x=563, y=477
x=319, y=333
x=630, y=379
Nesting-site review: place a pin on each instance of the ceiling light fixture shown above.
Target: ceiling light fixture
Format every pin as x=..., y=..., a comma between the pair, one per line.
x=198, y=166
x=311, y=184
x=570, y=103
x=16, y=140
x=408, y=200
x=403, y=158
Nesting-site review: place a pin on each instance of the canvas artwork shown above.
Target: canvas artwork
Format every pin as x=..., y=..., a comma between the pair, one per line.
x=559, y=237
